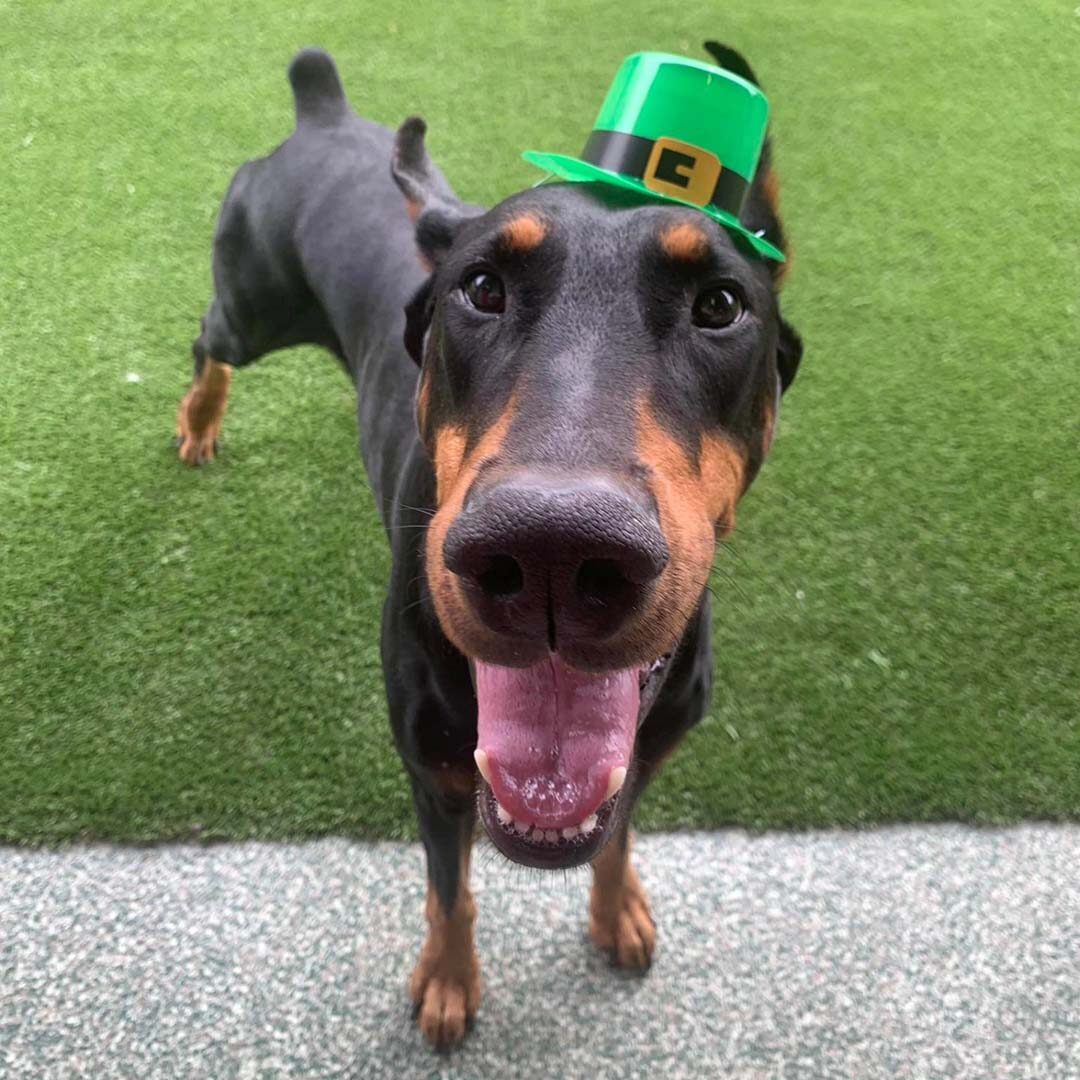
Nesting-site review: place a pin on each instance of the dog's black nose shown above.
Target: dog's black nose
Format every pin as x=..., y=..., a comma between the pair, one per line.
x=552, y=558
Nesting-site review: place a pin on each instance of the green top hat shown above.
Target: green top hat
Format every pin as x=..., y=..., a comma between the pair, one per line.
x=678, y=130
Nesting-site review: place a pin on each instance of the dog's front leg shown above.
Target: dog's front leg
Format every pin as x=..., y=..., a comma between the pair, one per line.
x=445, y=985
x=619, y=918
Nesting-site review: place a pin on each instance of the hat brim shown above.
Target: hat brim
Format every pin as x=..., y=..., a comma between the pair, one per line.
x=577, y=171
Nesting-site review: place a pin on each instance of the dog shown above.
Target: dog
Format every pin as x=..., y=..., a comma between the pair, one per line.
x=561, y=400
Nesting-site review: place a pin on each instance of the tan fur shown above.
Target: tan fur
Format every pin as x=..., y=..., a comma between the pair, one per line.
x=696, y=502
x=619, y=918
x=455, y=470
x=445, y=984
x=685, y=242
x=770, y=186
x=198, y=421
x=449, y=458
x=454, y=781
x=414, y=208
x=768, y=430
x=423, y=404
x=524, y=234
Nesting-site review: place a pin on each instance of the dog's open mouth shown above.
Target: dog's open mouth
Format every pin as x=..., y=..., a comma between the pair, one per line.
x=554, y=748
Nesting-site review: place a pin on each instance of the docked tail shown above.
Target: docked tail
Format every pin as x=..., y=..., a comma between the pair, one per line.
x=320, y=97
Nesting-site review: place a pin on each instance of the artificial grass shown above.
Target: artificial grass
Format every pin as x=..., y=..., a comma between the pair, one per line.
x=898, y=617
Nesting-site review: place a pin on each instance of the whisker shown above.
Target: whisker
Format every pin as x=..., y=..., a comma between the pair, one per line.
x=408, y=589
x=419, y=509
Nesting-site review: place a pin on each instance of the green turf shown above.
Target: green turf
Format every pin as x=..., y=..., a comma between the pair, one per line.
x=898, y=626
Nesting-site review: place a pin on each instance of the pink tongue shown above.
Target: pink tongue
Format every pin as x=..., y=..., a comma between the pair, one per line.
x=553, y=735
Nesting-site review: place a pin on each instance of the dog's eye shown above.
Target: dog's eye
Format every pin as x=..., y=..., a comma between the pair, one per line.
x=484, y=290
x=716, y=308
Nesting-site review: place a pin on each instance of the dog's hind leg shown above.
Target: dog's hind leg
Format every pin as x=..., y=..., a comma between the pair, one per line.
x=219, y=349
x=248, y=300
x=445, y=985
x=202, y=409
x=262, y=303
x=619, y=918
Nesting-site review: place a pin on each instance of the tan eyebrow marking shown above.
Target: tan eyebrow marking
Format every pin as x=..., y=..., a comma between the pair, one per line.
x=685, y=241
x=523, y=234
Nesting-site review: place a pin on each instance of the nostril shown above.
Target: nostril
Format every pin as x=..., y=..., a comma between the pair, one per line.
x=602, y=581
x=502, y=577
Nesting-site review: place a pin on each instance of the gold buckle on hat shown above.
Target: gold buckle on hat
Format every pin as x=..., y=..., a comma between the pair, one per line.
x=683, y=171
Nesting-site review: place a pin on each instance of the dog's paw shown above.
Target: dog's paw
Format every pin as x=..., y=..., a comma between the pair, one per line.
x=621, y=924
x=195, y=450
x=446, y=997
x=193, y=446
x=198, y=420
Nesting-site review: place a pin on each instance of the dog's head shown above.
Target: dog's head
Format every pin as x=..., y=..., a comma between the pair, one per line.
x=600, y=378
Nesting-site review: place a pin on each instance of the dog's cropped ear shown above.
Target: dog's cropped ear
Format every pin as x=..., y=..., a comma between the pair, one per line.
x=789, y=350
x=437, y=212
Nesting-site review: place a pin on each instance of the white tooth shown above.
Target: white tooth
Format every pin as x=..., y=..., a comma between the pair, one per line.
x=588, y=825
x=538, y=836
x=482, y=764
x=522, y=827
x=570, y=832
x=552, y=836
x=615, y=780
x=502, y=813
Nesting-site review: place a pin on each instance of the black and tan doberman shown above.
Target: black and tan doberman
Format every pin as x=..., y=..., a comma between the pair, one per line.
x=561, y=401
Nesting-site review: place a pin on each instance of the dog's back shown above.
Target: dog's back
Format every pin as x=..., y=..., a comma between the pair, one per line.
x=321, y=211
x=314, y=245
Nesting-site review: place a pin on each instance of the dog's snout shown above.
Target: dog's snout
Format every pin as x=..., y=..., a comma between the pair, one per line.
x=545, y=558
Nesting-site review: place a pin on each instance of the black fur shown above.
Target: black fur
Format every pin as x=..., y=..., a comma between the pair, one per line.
x=315, y=245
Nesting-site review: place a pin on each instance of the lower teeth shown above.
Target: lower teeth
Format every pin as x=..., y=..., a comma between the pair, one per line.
x=544, y=836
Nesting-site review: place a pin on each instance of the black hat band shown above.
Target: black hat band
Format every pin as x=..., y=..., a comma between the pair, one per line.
x=669, y=169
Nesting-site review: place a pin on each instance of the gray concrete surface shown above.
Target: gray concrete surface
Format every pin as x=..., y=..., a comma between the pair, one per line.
x=901, y=953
